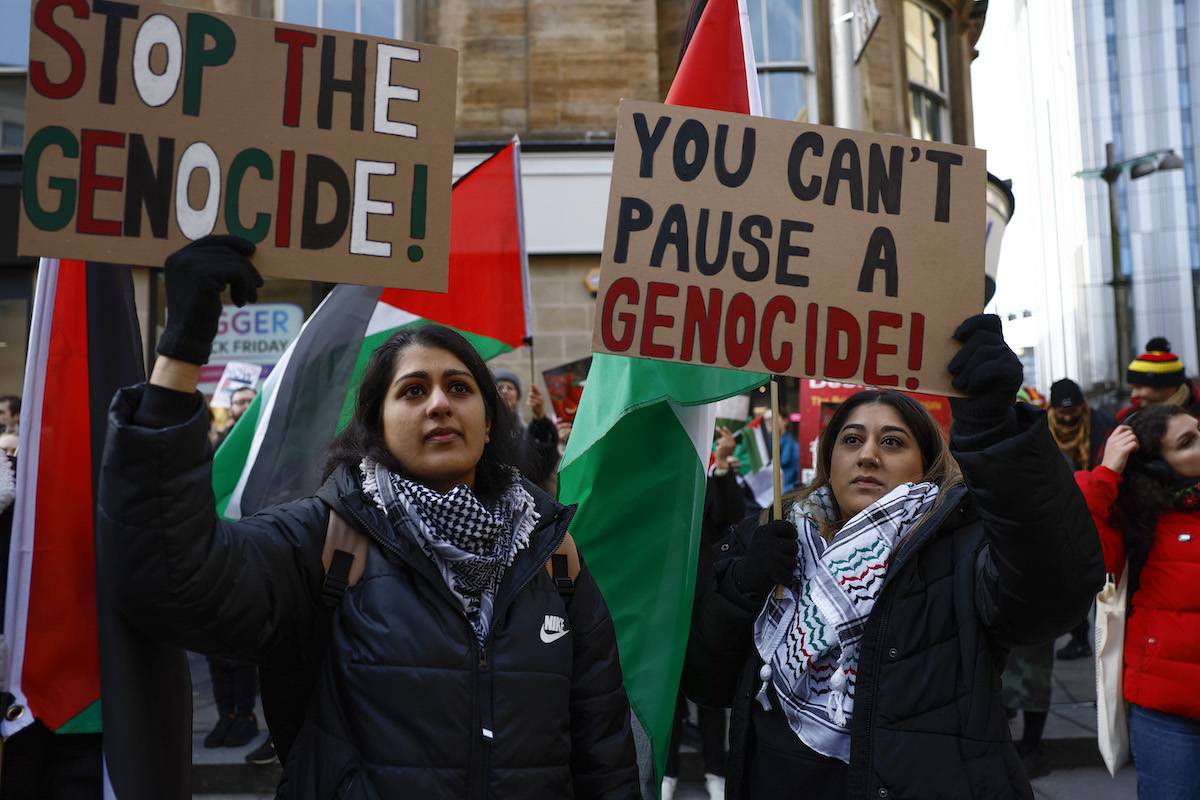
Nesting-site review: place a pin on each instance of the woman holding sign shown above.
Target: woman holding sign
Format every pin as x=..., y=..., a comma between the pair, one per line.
x=425, y=619
x=904, y=572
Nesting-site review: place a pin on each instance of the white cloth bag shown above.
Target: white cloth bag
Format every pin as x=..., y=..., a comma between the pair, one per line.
x=1112, y=729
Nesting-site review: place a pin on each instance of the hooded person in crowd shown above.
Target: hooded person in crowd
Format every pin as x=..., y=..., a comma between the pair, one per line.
x=452, y=665
x=1157, y=377
x=537, y=443
x=1145, y=500
x=873, y=670
x=1080, y=432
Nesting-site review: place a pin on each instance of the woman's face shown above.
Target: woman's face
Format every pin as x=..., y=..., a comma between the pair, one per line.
x=1181, y=446
x=874, y=453
x=434, y=418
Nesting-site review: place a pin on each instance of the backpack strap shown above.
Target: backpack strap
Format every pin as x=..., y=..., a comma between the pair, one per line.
x=287, y=686
x=344, y=558
x=563, y=567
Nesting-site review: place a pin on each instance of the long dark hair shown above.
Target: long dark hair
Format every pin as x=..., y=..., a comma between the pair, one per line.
x=1145, y=490
x=363, y=435
x=939, y=467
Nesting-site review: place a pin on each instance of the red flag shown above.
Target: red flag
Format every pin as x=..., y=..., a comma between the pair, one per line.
x=84, y=344
x=717, y=69
x=488, y=291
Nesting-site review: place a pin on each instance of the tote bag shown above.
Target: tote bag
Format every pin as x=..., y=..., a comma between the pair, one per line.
x=1112, y=730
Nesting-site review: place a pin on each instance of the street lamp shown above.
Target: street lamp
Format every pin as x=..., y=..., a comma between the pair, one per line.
x=1139, y=167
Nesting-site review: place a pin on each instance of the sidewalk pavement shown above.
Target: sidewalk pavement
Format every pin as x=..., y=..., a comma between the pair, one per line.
x=1070, y=744
x=223, y=769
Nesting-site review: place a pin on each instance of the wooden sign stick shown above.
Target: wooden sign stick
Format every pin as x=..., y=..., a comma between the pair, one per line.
x=776, y=469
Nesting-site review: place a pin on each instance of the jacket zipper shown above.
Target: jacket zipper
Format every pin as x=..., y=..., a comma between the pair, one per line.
x=929, y=529
x=486, y=733
x=482, y=672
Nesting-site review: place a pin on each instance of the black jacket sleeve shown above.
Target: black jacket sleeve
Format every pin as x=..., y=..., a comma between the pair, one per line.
x=722, y=628
x=603, y=758
x=180, y=573
x=724, y=505
x=1041, y=564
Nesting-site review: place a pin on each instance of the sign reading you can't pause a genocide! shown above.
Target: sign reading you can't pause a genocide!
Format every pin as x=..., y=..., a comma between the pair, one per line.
x=149, y=125
x=804, y=250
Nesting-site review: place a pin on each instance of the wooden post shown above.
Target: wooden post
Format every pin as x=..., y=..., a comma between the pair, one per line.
x=776, y=469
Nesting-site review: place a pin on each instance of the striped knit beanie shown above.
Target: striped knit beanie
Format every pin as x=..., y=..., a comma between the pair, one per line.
x=1157, y=367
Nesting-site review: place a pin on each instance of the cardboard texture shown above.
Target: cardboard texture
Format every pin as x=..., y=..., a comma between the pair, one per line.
x=149, y=125
x=795, y=249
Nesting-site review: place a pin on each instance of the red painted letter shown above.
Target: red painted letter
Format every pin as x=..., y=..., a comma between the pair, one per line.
x=626, y=288
x=778, y=364
x=296, y=41
x=43, y=20
x=702, y=321
x=837, y=366
x=90, y=182
x=652, y=319
x=875, y=348
x=738, y=349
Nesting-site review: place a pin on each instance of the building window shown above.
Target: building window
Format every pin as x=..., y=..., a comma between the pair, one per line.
x=782, y=31
x=372, y=17
x=925, y=57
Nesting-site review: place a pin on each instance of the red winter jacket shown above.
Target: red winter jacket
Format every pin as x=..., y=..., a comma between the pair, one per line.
x=1162, y=632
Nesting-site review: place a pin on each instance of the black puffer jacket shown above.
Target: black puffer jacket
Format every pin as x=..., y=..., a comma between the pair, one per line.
x=407, y=704
x=1012, y=558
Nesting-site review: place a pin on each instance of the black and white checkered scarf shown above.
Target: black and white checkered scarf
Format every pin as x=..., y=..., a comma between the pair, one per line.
x=471, y=544
x=808, y=639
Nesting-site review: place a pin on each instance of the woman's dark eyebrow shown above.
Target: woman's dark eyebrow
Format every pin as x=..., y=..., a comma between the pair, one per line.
x=454, y=372
x=895, y=429
x=421, y=374
x=854, y=425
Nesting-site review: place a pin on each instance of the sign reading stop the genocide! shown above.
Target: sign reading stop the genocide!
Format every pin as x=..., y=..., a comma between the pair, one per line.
x=150, y=125
x=804, y=250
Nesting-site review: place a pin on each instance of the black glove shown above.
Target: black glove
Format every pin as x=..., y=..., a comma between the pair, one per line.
x=987, y=371
x=769, y=560
x=195, y=276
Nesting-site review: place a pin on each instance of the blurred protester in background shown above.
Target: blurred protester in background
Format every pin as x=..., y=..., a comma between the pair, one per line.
x=1157, y=377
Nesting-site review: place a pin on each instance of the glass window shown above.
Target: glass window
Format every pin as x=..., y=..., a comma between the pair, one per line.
x=14, y=36
x=925, y=59
x=782, y=31
x=375, y=17
x=12, y=135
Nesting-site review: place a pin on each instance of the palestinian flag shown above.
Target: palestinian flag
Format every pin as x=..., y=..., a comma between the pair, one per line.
x=84, y=345
x=640, y=446
x=276, y=452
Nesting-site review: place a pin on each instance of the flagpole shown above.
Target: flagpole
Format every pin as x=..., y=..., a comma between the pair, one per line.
x=776, y=470
x=532, y=367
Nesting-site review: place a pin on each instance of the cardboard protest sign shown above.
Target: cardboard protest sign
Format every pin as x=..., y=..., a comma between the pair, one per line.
x=151, y=125
x=236, y=375
x=564, y=384
x=804, y=250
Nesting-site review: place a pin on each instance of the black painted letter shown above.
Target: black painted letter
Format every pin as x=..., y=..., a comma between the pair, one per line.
x=316, y=235
x=649, y=141
x=804, y=142
x=881, y=255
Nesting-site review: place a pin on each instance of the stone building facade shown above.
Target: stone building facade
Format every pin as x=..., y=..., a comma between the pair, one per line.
x=553, y=72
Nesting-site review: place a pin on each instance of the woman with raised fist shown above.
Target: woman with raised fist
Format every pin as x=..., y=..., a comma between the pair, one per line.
x=860, y=640
x=428, y=628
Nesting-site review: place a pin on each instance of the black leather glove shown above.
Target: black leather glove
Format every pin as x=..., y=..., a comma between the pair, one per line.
x=769, y=560
x=987, y=371
x=195, y=276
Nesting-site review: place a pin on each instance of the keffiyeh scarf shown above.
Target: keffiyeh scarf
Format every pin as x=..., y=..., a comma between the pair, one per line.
x=808, y=639
x=470, y=543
